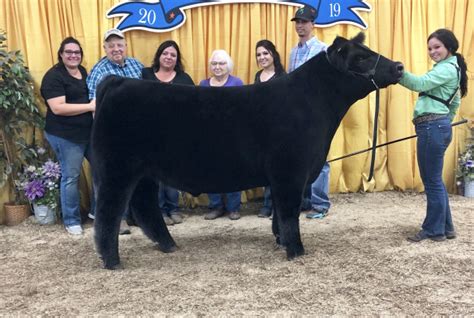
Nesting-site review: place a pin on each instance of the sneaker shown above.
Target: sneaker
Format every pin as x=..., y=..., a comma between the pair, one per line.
x=422, y=235
x=74, y=229
x=124, y=228
x=234, y=215
x=451, y=235
x=176, y=217
x=91, y=216
x=168, y=220
x=264, y=213
x=214, y=214
x=315, y=214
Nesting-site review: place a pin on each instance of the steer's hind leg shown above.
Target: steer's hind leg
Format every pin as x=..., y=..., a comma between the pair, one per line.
x=287, y=196
x=111, y=202
x=147, y=214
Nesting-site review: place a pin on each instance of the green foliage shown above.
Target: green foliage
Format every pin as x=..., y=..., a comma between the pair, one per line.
x=18, y=111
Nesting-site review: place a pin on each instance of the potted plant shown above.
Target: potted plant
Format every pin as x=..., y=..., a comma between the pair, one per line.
x=465, y=168
x=39, y=182
x=18, y=111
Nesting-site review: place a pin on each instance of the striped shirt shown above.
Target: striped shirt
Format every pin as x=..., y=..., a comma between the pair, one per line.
x=303, y=52
x=131, y=68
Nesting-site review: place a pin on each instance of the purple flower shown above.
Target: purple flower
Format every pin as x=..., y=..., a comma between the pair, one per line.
x=51, y=169
x=34, y=190
x=469, y=164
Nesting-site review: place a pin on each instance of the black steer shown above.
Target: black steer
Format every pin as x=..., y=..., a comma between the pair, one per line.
x=214, y=140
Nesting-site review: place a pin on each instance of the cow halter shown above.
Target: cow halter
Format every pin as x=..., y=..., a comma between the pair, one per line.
x=370, y=75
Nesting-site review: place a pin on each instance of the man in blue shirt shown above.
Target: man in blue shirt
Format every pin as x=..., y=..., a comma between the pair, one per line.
x=117, y=63
x=315, y=198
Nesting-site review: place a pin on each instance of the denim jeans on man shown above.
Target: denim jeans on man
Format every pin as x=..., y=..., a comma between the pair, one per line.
x=168, y=199
x=434, y=138
x=267, y=201
x=70, y=156
x=232, y=201
x=320, y=189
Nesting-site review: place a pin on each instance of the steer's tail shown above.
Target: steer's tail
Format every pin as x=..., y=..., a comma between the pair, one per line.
x=104, y=88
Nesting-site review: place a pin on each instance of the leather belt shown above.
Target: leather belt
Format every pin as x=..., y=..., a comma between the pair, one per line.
x=428, y=117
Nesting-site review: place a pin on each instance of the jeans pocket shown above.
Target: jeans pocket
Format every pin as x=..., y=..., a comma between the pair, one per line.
x=445, y=133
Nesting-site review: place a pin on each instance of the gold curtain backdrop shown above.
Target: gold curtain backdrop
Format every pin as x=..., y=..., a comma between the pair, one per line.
x=396, y=28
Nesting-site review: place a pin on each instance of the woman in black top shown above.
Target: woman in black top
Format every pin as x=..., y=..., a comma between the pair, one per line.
x=168, y=68
x=269, y=60
x=68, y=124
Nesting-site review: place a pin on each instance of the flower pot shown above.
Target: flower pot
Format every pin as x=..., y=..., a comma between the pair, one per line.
x=15, y=214
x=44, y=214
x=468, y=188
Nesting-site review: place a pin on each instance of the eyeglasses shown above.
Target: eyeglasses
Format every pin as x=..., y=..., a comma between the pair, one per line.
x=69, y=52
x=222, y=63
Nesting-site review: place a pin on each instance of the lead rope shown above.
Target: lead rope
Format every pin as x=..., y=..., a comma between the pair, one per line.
x=374, y=136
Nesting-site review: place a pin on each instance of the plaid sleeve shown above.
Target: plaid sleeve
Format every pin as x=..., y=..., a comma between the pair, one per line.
x=93, y=80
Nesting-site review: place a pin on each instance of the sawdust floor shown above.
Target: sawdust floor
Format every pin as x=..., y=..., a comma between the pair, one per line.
x=358, y=262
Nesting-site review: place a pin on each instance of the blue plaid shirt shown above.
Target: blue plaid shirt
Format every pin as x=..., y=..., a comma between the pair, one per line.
x=303, y=52
x=131, y=68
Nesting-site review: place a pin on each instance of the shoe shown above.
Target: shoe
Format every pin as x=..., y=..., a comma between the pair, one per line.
x=91, y=216
x=214, y=214
x=314, y=214
x=234, y=215
x=74, y=229
x=176, y=218
x=264, y=213
x=168, y=220
x=422, y=235
x=124, y=228
x=451, y=235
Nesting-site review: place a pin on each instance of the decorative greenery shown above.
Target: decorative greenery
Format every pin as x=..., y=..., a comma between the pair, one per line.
x=40, y=181
x=18, y=111
x=465, y=169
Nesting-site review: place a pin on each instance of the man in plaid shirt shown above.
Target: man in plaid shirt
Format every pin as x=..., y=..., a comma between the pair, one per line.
x=117, y=63
x=315, y=198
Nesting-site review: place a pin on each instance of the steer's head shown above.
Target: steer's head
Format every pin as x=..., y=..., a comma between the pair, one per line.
x=354, y=58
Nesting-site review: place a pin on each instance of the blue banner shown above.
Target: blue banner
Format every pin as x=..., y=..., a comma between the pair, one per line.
x=167, y=15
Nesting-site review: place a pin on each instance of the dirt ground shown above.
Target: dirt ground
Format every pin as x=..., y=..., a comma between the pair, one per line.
x=358, y=262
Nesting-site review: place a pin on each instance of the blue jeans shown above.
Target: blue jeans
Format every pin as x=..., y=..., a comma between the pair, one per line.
x=168, y=198
x=232, y=201
x=70, y=156
x=434, y=138
x=267, y=200
x=320, y=189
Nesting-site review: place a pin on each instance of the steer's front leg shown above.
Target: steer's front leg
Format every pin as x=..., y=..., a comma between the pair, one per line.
x=287, y=201
x=111, y=203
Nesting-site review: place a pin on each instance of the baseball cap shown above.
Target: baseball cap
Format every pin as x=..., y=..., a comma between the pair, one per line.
x=115, y=32
x=306, y=13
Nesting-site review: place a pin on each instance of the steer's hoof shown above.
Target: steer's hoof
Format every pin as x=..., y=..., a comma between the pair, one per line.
x=168, y=249
x=292, y=253
x=112, y=266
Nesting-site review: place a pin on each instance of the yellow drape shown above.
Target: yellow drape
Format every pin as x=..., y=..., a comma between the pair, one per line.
x=396, y=28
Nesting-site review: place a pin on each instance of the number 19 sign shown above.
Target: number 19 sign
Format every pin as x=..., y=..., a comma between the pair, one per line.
x=167, y=15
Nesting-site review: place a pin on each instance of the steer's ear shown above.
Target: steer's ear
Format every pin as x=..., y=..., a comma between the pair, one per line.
x=338, y=52
x=359, y=38
x=338, y=42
